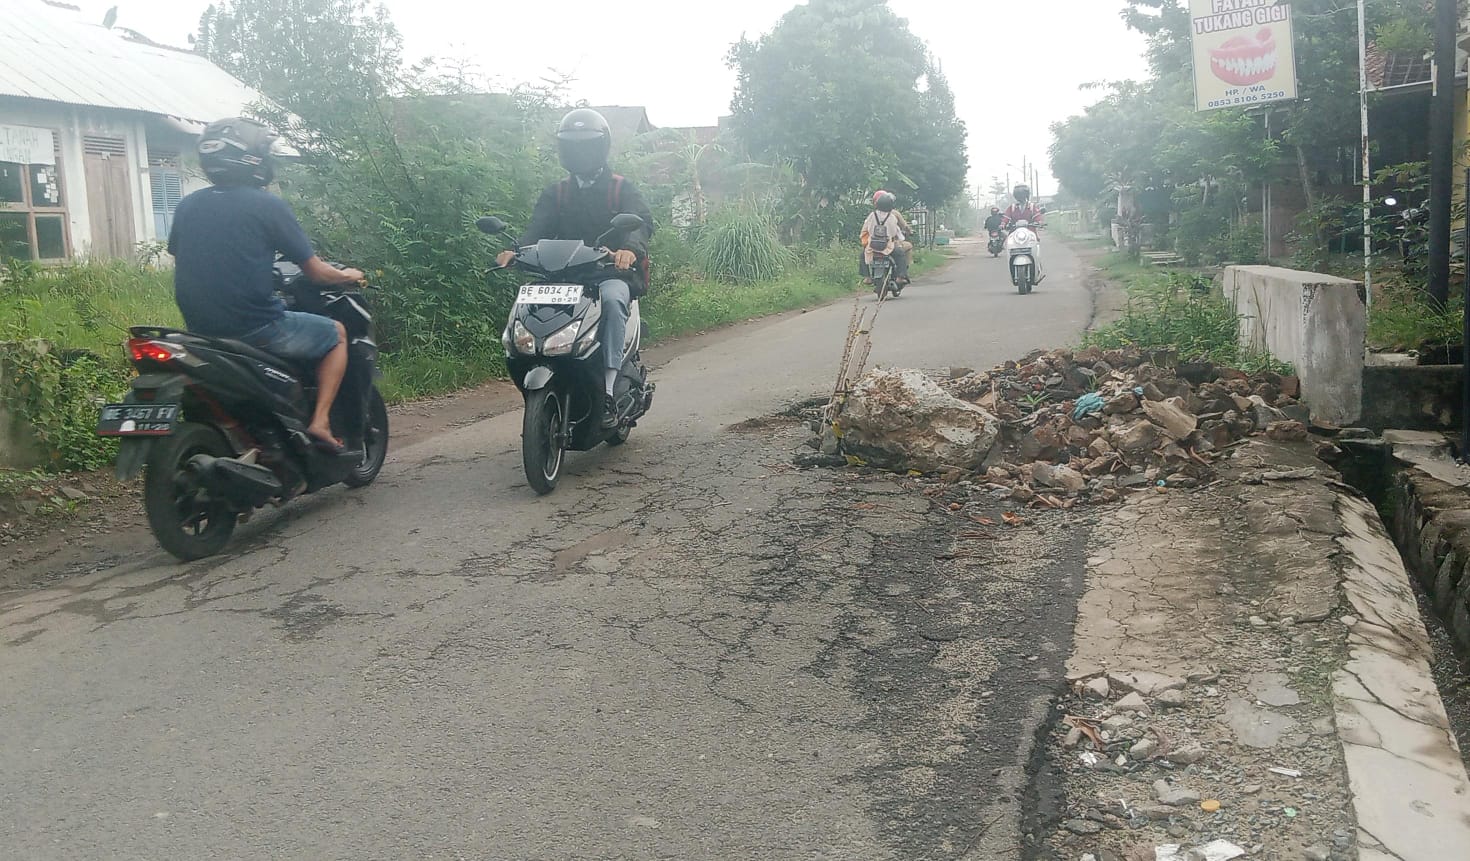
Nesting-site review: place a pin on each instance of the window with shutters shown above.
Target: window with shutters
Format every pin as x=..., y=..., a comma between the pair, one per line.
x=33, y=222
x=167, y=181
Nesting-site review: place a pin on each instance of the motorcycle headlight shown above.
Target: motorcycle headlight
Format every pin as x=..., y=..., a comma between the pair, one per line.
x=524, y=341
x=561, y=343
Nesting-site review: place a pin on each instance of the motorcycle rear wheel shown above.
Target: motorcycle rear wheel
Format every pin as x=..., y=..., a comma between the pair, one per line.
x=185, y=526
x=542, y=453
x=375, y=444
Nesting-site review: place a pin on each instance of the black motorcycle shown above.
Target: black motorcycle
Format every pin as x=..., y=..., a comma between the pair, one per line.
x=885, y=276
x=997, y=243
x=555, y=357
x=221, y=426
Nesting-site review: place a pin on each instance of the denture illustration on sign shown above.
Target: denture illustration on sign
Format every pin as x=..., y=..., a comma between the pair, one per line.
x=1246, y=60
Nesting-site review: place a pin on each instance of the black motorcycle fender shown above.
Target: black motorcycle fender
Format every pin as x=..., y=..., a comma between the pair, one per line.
x=132, y=453
x=537, y=378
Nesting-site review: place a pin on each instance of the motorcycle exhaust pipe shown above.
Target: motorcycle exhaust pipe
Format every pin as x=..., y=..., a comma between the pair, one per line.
x=244, y=485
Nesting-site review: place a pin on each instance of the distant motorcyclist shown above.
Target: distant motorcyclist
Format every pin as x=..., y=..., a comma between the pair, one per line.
x=1024, y=209
x=886, y=231
x=996, y=219
x=582, y=207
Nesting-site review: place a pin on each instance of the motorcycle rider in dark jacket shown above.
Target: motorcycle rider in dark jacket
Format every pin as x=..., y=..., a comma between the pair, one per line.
x=995, y=220
x=582, y=207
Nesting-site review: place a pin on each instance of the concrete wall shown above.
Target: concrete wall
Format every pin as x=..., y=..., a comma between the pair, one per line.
x=1430, y=522
x=18, y=446
x=1315, y=322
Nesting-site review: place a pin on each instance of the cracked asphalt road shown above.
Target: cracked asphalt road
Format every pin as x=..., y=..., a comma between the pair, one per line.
x=691, y=651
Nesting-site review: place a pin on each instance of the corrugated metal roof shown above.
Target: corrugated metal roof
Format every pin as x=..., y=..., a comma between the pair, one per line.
x=52, y=55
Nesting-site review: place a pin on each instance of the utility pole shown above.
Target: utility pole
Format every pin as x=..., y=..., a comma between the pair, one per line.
x=1442, y=149
x=1367, y=154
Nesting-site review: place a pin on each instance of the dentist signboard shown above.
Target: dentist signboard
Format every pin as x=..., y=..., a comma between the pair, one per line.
x=1243, y=53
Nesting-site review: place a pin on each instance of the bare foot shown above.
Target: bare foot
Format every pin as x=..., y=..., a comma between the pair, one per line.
x=324, y=435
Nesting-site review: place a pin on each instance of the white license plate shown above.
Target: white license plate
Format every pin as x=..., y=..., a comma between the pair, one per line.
x=550, y=294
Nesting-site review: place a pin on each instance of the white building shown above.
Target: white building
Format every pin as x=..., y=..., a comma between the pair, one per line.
x=97, y=131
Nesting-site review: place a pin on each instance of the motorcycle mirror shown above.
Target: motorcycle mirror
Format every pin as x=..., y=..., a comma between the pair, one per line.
x=627, y=222
x=1390, y=201
x=491, y=225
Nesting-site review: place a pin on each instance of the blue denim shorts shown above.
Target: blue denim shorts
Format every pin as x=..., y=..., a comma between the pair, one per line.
x=296, y=336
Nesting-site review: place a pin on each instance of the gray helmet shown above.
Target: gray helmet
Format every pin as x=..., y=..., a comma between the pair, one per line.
x=584, y=142
x=237, y=151
x=1023, y=193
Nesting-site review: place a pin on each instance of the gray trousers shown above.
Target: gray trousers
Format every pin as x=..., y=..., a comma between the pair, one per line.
x=617, y=301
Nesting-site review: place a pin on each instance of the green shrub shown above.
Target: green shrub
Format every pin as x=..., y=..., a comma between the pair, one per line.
x=1242, y=244
x=673, y=259
x=741, y=247
x=58, y=395
x=1404, y=317
x=85, y=306
x=1172, y=312
x=833, y=263
x=1198, y=230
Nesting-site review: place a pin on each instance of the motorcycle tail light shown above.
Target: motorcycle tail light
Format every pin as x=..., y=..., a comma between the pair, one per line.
x=144, y=350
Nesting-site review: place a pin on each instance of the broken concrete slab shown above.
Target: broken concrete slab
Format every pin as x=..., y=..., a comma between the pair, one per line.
x=1131, y=704
x=1147, y=683
x=1254, y=726
x=1411, y=793
x=1176, y=421
x=1273, y=689
x=902, y=420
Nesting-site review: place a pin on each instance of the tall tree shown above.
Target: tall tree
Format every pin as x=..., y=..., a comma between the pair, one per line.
x=835, y=91
x=306, y=55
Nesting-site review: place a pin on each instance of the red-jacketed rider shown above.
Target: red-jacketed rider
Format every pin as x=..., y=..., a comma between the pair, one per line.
x=1023, y=209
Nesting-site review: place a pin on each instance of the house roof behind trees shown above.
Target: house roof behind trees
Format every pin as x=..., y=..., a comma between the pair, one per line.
x=626, y=123
x=49, y=53
x=1388, y=70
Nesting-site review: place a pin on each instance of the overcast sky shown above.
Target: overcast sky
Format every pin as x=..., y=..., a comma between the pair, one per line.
x=1015, y=66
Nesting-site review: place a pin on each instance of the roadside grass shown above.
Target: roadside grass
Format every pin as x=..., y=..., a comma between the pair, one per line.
x=1177, y=311
x=409, y=377
x=1405, y=319
x=85, y=306
x=695, y=305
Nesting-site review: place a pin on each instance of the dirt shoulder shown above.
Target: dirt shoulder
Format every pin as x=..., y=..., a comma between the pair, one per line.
x=1109, y=296
x=1235, y=684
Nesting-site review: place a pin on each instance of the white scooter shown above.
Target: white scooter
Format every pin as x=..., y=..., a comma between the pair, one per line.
x=1023, y=249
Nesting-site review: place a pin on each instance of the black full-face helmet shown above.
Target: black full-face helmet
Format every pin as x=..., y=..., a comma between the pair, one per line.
x=584, y=141
x=237, y=151
x=1022, y=193
x=995, y=210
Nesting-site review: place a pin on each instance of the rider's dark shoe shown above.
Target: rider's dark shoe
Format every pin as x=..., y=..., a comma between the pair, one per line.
x=609, y=413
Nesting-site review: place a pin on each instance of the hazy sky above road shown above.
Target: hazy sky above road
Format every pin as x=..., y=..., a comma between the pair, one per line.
x=1015, y=66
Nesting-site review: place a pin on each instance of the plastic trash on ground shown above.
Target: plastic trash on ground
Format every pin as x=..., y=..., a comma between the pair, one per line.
x=1218, y=850
x=1088, y=405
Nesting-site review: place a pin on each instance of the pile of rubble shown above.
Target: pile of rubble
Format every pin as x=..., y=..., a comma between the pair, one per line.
x=1063, y=427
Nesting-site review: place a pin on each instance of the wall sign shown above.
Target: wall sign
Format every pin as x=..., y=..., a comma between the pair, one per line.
x=1244, y=53
x=27, y=145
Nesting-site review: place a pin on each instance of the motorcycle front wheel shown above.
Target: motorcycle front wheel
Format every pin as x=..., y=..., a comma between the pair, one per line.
x=186, y=522
x=1023, y=280
x=542, y=453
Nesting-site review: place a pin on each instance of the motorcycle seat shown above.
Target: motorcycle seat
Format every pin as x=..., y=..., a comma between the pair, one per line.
x=305, y=370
